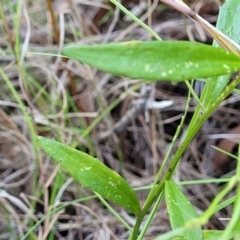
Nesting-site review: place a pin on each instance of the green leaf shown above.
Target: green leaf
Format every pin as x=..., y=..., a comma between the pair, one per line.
x=212, y=234
x=228, y=20
x=93, y=174
x=180, y=211
x=153, y=60
x=207, y=235
x=228, y=23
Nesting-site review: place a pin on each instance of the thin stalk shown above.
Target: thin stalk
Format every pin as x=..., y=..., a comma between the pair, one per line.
x=54, y=22
x=193, y=129
x=211, y=209
x=234, y=224
x=134, y=18
x=167, y=156
x=151, y=215
x=114, y=213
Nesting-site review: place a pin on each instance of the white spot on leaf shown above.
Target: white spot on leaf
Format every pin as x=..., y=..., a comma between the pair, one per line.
x=189, y=64
x=164, y=74
x=175, y=203
x=147, y=67
x=227, y=67
x=112, y=184
x=87, y=168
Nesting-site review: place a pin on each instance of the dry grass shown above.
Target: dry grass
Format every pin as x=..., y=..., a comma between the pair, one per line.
x=65, y=97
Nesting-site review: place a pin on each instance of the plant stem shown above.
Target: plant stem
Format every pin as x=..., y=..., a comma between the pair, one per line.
x=192, y=130
x=142, y=24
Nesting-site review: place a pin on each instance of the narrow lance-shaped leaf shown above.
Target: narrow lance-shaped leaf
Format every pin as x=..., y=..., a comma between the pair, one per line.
x=92, y=173
x=180, y=211
x=227, y=23
x=153, y=60
x=207, y=235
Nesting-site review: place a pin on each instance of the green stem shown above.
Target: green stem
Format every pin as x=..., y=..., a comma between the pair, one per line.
x=164, y=163
x=137, y=20
x=234, y=224
x=114, y=213
x=192, y=130
x=211, y=210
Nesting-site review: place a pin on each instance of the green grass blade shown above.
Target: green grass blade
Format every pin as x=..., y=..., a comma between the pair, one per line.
x=228, y=23
x=212, y=234
x=155, y=60
x=228, y=19
x=180, y=210
x=207, y=235
x=93, y=174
